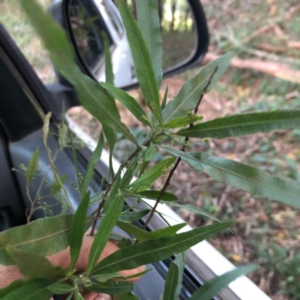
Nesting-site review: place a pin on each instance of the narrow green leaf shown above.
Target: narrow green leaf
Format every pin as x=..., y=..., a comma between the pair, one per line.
x=75, y=160
x=131, y=216
x=153, y=195
x=149, y=24
x=78, y=229
x=27, y=290
x=171, y=282
x=54, y=168
x=147, y=179
x=129, y=102
x=61, y=288
x=150, y=153
x=105, y=277
x=32, y=166
x=77, y=295
x=195, y=210
x=183, y=121
x=142, y=61
x=164, y=102
x=56, y=187
x=95, y=157
x=156, y=249
x=180, y=262
x=143, y=235
x=111, y=138
x=95, y=100
x=214, y=286
x=109, y=74
x=91, y=94
x=44, y=236
x=244, y=124
x=114, y=190
x=247, y=178
x=34, y=265
x=126, y=179
x=125, y=242
x=104, y=230
x=127, y=296
x=188, y=97
x=111, y=287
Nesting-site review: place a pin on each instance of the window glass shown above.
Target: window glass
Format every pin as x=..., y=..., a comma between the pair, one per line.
x=113, y=16
x=21, y=31
x=84, y=21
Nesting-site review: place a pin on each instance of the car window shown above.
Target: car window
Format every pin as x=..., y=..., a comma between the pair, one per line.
x=114, y=17
x=24, y=36
x=84, y=26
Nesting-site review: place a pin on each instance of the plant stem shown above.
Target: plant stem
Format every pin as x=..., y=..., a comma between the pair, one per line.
x=179, y=158
x=101, y=204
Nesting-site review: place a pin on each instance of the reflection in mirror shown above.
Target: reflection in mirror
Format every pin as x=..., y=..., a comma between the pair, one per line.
x=88, y=18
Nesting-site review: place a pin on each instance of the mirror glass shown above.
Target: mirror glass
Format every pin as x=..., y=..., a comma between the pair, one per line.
x=88, y=18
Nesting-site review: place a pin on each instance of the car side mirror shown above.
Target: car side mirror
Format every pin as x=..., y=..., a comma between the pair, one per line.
x=183, y=27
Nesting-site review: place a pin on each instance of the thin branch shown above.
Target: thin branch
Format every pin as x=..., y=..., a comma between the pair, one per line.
x=101, y=204
x=167, y=183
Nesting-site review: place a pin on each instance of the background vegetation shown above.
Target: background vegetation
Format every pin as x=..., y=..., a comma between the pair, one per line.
x=262, y=33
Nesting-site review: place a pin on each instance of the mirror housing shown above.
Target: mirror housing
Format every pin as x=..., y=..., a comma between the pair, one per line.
x=89, y=50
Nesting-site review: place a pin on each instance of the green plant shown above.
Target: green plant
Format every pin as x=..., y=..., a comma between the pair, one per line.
x=170, y=126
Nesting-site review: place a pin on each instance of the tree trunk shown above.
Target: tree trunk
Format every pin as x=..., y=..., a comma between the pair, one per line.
x=173, y=10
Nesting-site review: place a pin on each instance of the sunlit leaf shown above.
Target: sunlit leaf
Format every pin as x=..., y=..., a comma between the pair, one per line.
x=131, y=216
x=34, y=265
x=78, y=229
x=91, y=94
x=143, y=235
x=149, y=24
x=188, y=97
x=247, y=178
x=244, y=124
x=171, y=282
x=142, y=61
x=32, y=166
x=147, y=179
x=183, y=121
x=104, y=230
x=214, y=286
x=95, y=157
x=195, y=210
x=129, y=102
x=44, y=236
x=153, y=195
x=156, y=249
